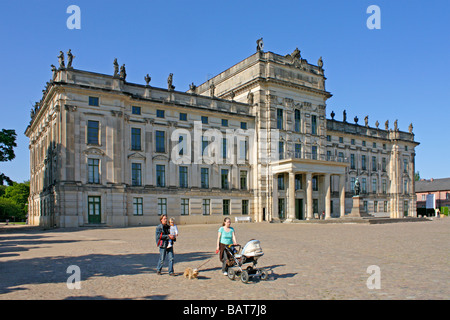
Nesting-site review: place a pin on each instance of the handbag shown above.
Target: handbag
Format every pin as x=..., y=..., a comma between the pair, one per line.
x=160, y=242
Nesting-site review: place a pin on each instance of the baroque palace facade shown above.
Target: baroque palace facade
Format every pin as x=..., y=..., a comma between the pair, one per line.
x=253, y=141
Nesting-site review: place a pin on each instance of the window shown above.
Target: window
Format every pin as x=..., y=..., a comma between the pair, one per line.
x=280, y=119
x=94, y=209
x=405, y=186
x=374, y=163
x=244, y=125
x=245, y=207
x=298, y=150
x=297, y=121
x=243, y=180
x=183, y=116
x=352, y=161
x=92, y=132
x=226, y=207
x=206, y=206
x=224, y=148
x=183, y=176
x=93, y=171
x=328, y=155
x=328, y=138
x=363, y=162
x=352, y=141
x=383, y=164
x=93, y=101
x=280, y=181
x=205, y=143
x=424, y=197
x=281, y=150
x=313, y=124
x=364, y=143
x=315, y=184
x=182, y=141
x=204, y=176
x=352, y=184
x=136, y=174
x=298, y=181
x=385, y=206
x=406, y=148
x=138, y=206
x=447, y=196
x=184, y=207
x=135, y=139
x=160, y=175
x=160, y=114
x=365, y=206
x=224, y=178
x=405, y=208
x=314, y=152
x=405, y=165
x=341, y=139
x=162, y=206
x=224, y=123
x=204, y=120
x=374, y=185
x=375, y=206
x=384, y=186
x=363, y=185
x=135, y=110
x=243, y=150
x=281, y=208
x=374, y=145
x=160, y=141
x=384, y=146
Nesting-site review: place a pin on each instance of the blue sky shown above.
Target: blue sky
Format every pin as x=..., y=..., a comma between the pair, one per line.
x=398, y=72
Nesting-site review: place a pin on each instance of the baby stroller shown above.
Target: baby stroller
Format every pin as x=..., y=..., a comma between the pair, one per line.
x=250, y=254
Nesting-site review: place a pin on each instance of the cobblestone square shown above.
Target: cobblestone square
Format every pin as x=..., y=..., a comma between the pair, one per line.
x=305, y=261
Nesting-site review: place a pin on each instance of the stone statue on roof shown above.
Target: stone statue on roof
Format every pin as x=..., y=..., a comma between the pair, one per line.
x=116, y=68
x=61, y=60
x=70, y=57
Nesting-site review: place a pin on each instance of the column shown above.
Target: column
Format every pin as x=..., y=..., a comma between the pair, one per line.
x=327, y=196
x=309, y=202
x=342, y=195
x=291, y=210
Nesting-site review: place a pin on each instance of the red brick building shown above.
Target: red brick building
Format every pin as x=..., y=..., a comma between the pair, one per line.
x=440, y=188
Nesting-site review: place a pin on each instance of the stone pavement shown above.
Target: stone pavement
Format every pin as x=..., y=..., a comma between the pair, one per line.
x=305, y=261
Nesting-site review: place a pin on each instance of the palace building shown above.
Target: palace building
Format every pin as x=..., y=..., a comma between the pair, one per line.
x=253, y=141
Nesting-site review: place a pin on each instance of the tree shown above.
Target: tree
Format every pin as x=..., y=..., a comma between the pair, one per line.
x=417, y=176
x=7, y=144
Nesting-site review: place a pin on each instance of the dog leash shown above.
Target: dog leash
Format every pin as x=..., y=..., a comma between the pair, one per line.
x=203, y=264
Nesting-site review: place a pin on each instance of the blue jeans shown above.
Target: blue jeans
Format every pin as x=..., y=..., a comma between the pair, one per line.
x=162, y=256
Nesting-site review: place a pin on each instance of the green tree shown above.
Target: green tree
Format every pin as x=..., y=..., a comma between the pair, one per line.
x=7, y=144
x=417, y=176
x=8, y=209
x=18, y=193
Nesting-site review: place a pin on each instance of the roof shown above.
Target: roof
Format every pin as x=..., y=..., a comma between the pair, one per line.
x=433, y=185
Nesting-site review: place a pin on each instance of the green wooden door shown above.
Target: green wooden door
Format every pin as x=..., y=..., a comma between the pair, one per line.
x=94, y=210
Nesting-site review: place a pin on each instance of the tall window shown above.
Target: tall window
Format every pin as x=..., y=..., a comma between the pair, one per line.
x=374, y=185
x=280, y=181
x=298, y=181
x=135, y=139
x=384, y=186
x=315, y=184
x=352, y=161
x=352, y=184
x=375, y=206
x=244, y=207
x=405, y=165
x=205, y=143
x=314, y=152
x=92, y=132
x=226, y=207
x=313, y=124
x=184, y=207
x=138, y=206
x=182, y=144
x=204, y=176
x=281, y=208
x=383, y=164
x=374, y=163
x=297, y=120
x=160, y=175
x=136, y=176
x=363, y=162
x=160, y=141
x=298, y=150
x=206, y=206
x=405, y=186
x=243, y=180
x=224, y=148
x=93, y=171
x=162, y=206
x=281, y=150
x=183, y=176
x=280, y=119
x=364, y=185
x=224, y=178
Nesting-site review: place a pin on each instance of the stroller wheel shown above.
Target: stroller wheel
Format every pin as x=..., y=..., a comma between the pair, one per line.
x=231, y=274
x=244, y=276
x=264, y=274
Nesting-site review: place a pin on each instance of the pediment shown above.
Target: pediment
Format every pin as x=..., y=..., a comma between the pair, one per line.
x=136, y=155
x=160, y=157
x=94, y=151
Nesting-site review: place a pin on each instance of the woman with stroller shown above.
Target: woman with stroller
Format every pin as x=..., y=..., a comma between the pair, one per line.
x=225, y=237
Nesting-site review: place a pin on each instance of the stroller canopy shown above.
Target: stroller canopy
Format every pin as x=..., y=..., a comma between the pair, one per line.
x=252, y=249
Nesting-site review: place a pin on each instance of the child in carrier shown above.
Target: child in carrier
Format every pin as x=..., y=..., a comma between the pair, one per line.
x=173, y=231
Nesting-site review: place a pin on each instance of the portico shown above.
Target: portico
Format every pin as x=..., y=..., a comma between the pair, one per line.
x=306, y=183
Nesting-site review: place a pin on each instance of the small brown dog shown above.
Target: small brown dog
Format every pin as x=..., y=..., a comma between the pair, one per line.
x=190, y=273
